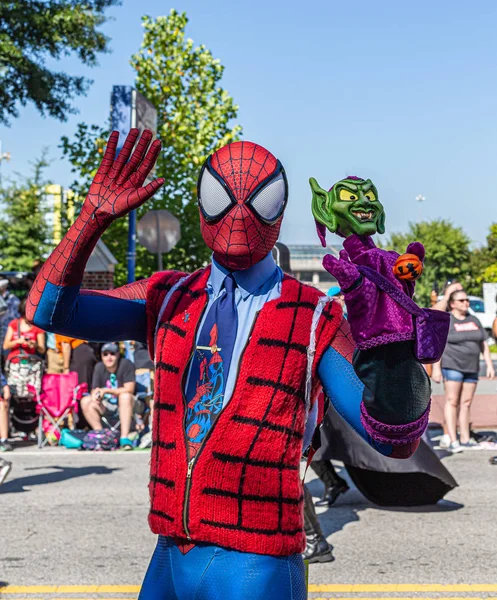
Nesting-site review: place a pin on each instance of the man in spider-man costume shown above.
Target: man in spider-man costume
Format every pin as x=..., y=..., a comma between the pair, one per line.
x=244, y=342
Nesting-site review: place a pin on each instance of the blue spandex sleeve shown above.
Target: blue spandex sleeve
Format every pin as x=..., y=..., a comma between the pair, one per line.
x=97, y=317
x=345, y=390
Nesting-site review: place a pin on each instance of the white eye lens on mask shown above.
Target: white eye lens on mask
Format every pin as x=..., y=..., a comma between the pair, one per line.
x=213, y=198
x=270, y=201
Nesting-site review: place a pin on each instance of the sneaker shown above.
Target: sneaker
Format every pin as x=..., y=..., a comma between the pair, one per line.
x=146, y=441
x=444, y=442
x=5, y=467
x=5, y=446
x=125, y=444
x=471, y=445
x=455, y=447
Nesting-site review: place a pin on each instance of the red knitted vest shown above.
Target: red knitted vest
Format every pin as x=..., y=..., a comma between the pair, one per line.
x=244, y=489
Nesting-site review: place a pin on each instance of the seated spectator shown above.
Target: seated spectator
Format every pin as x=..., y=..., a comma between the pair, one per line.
x=10, y=307
x=112, y=393
x=4, y=415
x=23, y=338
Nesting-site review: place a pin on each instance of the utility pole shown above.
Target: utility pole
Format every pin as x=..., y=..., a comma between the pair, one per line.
x=130, y=109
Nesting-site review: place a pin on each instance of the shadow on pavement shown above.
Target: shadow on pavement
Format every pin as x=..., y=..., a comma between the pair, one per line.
x=348, y=507
x=345, y=510
x=14, y=486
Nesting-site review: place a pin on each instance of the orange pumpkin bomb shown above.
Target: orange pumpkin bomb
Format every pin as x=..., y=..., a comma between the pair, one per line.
x=407, y=267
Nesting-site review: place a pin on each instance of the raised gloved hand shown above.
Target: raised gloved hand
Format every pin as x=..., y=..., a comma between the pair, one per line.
x=115, y=191
x=374, y=317
x=117, y=188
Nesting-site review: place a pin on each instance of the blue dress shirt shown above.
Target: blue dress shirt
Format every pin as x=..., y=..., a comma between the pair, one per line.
x=255, y=286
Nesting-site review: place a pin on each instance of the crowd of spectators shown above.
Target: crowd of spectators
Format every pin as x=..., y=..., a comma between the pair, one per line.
x=109, y=372
x=119, y=378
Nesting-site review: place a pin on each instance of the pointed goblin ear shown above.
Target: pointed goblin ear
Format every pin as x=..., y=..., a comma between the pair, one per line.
x=321, y=206
x=380, y=225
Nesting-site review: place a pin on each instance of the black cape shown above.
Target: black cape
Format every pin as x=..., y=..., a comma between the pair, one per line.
x=419, y=480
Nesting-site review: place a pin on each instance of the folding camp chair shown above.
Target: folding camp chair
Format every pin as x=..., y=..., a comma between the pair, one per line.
x=112, y=422
x=57, y=400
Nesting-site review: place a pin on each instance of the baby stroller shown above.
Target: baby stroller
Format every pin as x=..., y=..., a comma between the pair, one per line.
x=57, y=402
x=23, y=373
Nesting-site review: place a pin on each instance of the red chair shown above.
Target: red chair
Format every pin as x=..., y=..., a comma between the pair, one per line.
x=58, y=398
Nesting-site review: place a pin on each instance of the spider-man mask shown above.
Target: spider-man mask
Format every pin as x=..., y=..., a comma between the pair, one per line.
x=242, y=193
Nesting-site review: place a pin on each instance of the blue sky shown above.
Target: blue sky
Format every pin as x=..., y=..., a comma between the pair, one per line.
x=404, y=93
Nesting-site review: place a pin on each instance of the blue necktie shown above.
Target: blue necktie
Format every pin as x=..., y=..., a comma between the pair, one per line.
x=210, y=366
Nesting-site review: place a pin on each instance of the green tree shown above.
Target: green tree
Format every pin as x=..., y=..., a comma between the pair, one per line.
x=24, y=232
x=195, y=117
x=32, y=31
x=492, y=241
x=447, y=254
x=483, y=264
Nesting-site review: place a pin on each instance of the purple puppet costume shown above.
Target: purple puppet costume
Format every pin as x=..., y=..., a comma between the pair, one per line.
x=386, y=325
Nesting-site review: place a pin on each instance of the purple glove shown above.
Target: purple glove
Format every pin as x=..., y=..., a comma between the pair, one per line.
x=375, y=318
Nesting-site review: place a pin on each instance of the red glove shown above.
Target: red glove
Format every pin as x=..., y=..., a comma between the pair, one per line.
x=116, y=188
x=115, y=191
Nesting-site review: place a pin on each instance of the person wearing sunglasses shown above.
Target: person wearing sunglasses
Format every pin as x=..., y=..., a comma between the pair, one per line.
x=460, y=367
x=112, y=393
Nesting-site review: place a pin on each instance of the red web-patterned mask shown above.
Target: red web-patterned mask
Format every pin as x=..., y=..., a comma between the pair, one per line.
x=242, y=193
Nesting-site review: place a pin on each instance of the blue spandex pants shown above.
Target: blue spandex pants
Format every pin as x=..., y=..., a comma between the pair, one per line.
x=209, y=572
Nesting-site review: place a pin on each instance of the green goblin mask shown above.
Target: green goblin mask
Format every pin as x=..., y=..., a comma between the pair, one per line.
x=351, y=206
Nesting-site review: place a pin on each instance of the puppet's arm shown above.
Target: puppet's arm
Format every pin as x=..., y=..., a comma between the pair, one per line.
x=55, y=302
x=382, y=393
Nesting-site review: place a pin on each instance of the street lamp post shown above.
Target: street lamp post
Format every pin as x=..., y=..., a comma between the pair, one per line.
x=159, y=231
x=3, y=156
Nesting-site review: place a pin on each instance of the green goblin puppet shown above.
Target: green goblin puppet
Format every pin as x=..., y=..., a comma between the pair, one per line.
x=351, y=208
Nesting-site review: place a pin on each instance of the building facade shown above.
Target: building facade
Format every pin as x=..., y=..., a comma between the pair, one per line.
x=306, y=263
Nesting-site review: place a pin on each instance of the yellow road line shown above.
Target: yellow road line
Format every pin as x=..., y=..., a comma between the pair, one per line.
x=336, y=588
x=314, y=598
x=49, y=597
x=70, y=589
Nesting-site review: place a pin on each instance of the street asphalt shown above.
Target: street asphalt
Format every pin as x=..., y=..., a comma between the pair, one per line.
x=80, y=518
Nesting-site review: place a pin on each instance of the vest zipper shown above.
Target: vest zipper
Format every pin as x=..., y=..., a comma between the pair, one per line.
x=187, y=498
x=191, y=463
